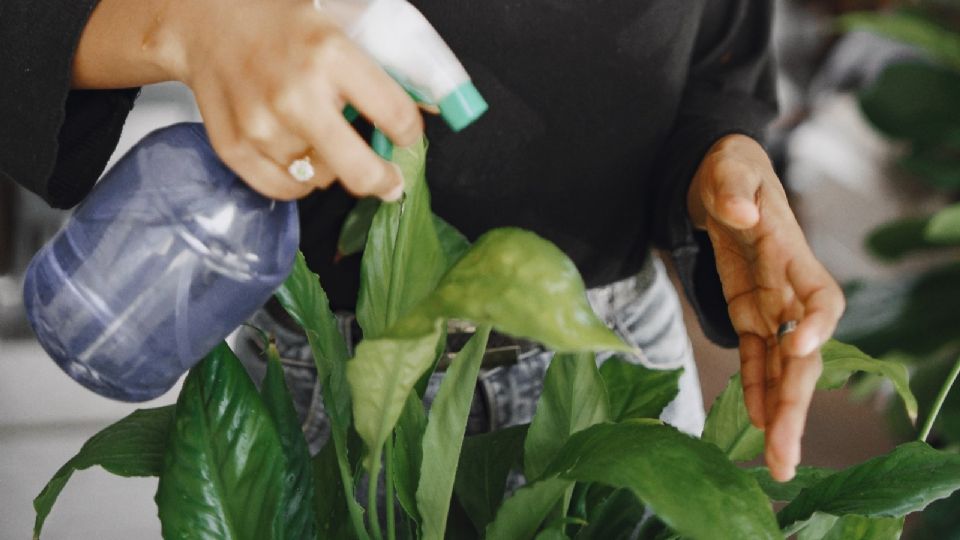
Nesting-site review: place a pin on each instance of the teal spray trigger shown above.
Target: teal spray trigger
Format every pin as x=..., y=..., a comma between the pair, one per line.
x=401, y=40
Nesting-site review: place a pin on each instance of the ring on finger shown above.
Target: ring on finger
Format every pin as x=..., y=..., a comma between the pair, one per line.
x=786, y=328
x=302, y=169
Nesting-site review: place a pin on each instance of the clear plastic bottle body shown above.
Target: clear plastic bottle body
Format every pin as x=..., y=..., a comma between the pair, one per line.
x=168, y=254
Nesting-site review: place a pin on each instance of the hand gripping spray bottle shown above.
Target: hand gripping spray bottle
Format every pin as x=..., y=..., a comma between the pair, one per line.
x=171, y=250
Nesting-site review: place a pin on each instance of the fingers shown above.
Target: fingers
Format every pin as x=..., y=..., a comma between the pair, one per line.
x=361, y=171
x=823, y=305
x=259, y=171
x=772, y=381
x=379, y=98
x=785, y=432
x=730, y=196
x=753, y=354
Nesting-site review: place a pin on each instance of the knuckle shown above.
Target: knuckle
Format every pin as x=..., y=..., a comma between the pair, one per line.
x=404, y=117
x=258, y=128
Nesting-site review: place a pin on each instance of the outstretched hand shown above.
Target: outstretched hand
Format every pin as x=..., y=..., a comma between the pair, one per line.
x=769, y=276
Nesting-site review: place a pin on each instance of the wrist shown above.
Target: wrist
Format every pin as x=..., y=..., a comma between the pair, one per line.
x=125, y=44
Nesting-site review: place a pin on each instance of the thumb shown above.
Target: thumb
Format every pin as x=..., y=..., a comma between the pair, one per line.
x=732, y=197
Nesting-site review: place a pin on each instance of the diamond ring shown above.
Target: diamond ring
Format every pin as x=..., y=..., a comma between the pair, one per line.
x=301, y=169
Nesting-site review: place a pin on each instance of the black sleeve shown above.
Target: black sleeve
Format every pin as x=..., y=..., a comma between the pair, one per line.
x=730, y=89
x=53, y=141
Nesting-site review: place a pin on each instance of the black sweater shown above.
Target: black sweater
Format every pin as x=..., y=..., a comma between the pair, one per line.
x=600, y=112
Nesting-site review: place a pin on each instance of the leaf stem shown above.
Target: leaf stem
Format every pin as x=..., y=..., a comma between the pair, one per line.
x=388, y=499
x=938, y=403
x=373, y=517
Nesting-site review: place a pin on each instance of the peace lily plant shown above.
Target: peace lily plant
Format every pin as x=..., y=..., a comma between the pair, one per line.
x=233, y=464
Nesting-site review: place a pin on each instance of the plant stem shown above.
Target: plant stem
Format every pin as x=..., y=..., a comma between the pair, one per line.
x=938, y=403
x=388, y=499
x=373, y=517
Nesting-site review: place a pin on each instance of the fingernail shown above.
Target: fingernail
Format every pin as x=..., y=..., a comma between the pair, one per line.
x=394, y=194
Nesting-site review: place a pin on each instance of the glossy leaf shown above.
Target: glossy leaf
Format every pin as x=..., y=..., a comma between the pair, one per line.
x=553, y=533
x=910, y=27
x=893, y=485
x=636, y=391
x=485, y=462
x=524, y=286
x=305, y=300
x=453, y=244
x=915, y=101
x=297, y=519
x=444, y=435
x=935, y=162
x=728, y=425
x=133, y=446
x=915, y=315
x=896, y=239
x=521, y=515
x=224, y=473
x=573, y=399
x=853, y=527
x=330, y=501
x=614, y=518
x=511, y=279
x=403, y=258
x=840, y=361
x=944, y=227
x=353, y=234
x=382, y=374
x=687, y=483
x=408, y=454
x=786, y=491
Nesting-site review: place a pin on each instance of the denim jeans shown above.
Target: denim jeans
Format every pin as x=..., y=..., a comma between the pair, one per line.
x=643, y=309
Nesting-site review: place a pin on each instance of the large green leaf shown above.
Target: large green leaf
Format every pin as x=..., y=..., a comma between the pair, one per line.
x=524, y=286
x=840, y=361
x=305, y=300
x=915, y=101
x=453, y=244
x=852, y=527
x=915, y=315
x=614, y=518
x=728, y=425
x=786, y=491
x=408, y=454
x=403, y=258
x=636, y=391
x=485, y=462
x=330, y=501
x=133, y=446
x=893, y=485
x=944, y=227
x=353, y=234
x=444, y=435
x=511, y=279
x=297, y=519
x=687, y=483
x=935, y=162
x=521, y=515
x=573, y=399
x=382, y=375
x=892, y=241
x=910, y=27
x=224, y=473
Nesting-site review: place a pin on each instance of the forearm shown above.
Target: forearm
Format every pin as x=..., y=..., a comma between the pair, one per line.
x=125, y=44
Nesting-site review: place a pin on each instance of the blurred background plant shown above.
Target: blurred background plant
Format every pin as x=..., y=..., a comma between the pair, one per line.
x=912, y=317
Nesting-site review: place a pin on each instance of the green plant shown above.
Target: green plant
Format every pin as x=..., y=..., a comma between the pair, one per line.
x=912, y=320
x=233, y=463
